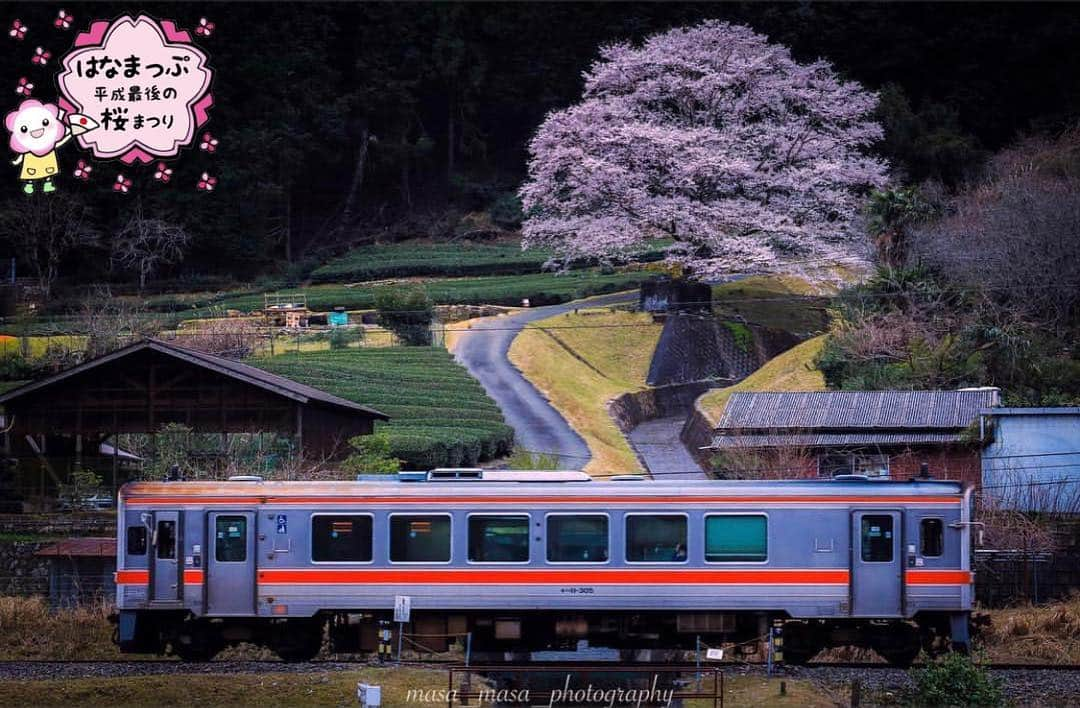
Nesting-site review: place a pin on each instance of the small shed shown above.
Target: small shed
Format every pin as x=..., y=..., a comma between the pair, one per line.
x=884, y=434
x=80, y=570
x=339, y=317
x=148, y=384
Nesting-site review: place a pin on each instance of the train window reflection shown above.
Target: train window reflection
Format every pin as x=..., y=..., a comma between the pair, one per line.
x=877, y=539
x=419, y=539
x=136, y=540
x=166, y=539
x=577, y=539
x=230, y=539
x=656, y=539
x=736, y=538
x=932, y=537
x=499, y=539
x=341, y=538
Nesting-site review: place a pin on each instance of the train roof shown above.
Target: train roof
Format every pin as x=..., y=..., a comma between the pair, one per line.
x=532, y=484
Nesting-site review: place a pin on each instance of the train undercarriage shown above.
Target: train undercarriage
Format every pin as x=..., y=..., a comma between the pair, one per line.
x=513, y=636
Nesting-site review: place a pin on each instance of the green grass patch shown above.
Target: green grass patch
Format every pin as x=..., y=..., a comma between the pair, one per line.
x=778, y=301
x=440, y=415
x=446, y=259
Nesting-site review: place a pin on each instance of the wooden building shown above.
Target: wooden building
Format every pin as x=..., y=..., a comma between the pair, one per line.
x=141, y=387
x=884, y=434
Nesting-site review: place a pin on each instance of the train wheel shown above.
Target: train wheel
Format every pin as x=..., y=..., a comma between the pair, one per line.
x=899, y=645
x=194, y=645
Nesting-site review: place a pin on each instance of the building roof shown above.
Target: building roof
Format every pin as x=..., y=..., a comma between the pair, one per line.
x=233, y=369
x=839, y=418
x=81, y=547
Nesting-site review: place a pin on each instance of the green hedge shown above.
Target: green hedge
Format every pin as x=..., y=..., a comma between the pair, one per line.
x=446, y=259
x=440, y=415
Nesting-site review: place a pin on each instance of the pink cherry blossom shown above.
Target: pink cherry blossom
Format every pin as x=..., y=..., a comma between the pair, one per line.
x=18, y=30
x=25, y=88
x=122, y=184
x=163, y=173
x=208, y=143
x=715, y=138
x=41, y=56
x=63, y=20
x=206, y=182
x=83, y=170
x=205, y=27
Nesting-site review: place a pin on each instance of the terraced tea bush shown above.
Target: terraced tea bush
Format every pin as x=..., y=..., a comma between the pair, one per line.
x=440, y=415
x=445, y=259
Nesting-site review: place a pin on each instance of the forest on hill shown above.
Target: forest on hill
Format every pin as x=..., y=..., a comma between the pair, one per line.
x=341, y=123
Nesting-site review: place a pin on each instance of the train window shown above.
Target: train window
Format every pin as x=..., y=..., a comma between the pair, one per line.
x=166, y=539
x=341, y=539
x=230, y=539
x=419, y=539
x=577, y=539
x=877, y=539
x=656, y=539
x=932, y=537
x=499, y=539
x=736, y=538
x=136, y=540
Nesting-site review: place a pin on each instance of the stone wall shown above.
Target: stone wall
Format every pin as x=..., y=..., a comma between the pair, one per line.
x=631, y=409
x=21, y=572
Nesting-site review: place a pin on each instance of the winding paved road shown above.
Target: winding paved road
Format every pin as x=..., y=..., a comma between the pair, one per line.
x=538, y=427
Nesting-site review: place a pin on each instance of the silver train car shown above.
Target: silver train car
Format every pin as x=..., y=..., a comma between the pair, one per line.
x=539, y=560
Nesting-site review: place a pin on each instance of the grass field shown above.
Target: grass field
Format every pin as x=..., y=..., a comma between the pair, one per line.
x=420, y=258
x=779, y=301
x=401, y=686
x=580, y=370
x=791, y=371
x=539, y=288
x=440, y=415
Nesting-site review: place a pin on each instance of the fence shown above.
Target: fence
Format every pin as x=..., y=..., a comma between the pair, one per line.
x=1008, y=577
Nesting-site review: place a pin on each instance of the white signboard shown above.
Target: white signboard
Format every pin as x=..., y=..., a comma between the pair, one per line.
x=714, y=654
x=402, y=606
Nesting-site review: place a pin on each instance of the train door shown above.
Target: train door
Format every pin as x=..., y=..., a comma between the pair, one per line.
x=230, y=563
x=877, y=573
x=165, y=578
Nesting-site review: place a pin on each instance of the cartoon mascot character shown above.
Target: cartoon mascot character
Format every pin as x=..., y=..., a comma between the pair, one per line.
x=37, y=129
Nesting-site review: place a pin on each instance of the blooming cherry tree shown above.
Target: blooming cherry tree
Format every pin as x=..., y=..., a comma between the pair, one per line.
x=713, y=137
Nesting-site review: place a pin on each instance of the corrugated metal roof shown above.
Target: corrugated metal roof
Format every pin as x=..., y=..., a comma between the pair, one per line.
x=234, y=369
x=82, y=547
x=728, y=442
x=855, y=411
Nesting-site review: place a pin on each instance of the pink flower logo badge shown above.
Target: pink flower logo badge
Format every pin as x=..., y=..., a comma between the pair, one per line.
x=168, y=60
x=41, y=56
x=83, y=170
x=209, y=143
x=63, y=20
x=163, y=173
x=205, y=28
x=18, y=30
x=206, y=182
x=122, y=184
x=25, y=88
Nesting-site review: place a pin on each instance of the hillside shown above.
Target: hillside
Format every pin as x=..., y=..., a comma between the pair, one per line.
x=440, y=416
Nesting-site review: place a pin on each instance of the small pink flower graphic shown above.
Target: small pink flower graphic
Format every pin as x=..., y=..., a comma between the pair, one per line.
x=208, y=143
x=163, y=173
x=41, y=56
x=18, y=30
x=25, y=88
x=205, y=28
x=206, y=182
x=83, y=170
x=63, y=20
x=122, y=184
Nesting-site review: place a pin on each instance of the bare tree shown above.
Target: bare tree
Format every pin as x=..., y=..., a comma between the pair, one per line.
x=111, y=322
x=45, y=230
x=231, y=337
x=144, y=244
